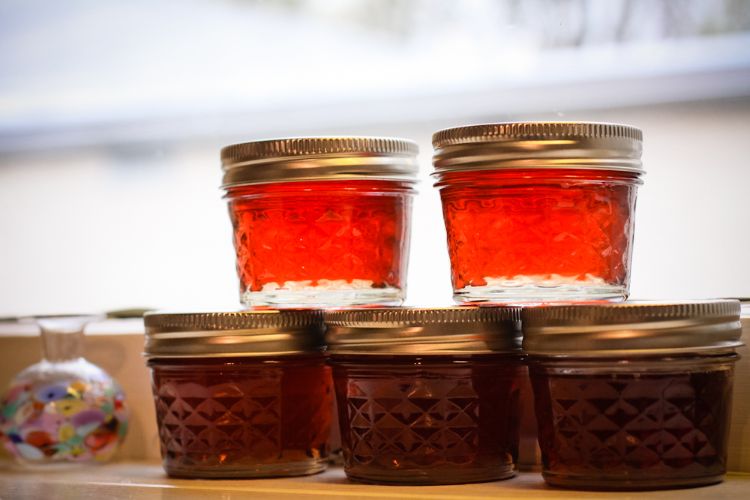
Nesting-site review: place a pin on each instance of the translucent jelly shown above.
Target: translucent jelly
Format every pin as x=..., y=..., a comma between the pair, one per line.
x=243, y=417
x=321, y=242
x=633, y=424
x=542, y=234
x=428, y=420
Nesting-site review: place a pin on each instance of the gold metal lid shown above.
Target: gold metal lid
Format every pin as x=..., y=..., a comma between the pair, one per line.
x=319, y=158
x=559, y=145
x=423, y=331
x=233, y=334
x=632, y=328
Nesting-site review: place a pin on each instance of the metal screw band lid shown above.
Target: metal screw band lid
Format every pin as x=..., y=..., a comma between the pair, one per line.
x=423, y=331
x=233, y=334
x=559, y=145
x=632, y=328
x=319, y=158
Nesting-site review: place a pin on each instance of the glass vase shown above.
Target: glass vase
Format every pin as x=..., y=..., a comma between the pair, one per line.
x=64, y=409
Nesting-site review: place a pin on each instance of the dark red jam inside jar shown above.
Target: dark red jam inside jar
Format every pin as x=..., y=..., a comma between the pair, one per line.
x=415, y=409
x=428, y=420
x=645, y=419
x=529, y=218
x=654, y=423
x=319, y=228
x=235, y=415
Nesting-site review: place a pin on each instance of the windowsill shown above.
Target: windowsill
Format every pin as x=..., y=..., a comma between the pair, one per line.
x=147, y=480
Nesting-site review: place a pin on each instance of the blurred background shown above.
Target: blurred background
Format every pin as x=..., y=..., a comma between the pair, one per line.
x=112, y=115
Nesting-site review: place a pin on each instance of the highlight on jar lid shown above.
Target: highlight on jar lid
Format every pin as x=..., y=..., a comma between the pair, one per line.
x=566, y=145
x=319, y=158
x=450, y=330
x=233, y=334
x=646, y=328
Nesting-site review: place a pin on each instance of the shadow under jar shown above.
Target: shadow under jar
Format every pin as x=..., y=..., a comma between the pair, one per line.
x=635, y=395
x=539, y=211
x=321, y=221
x=240, y=395
x=427, y=396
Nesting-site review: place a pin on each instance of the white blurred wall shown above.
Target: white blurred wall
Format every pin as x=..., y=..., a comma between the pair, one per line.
x=96, y=229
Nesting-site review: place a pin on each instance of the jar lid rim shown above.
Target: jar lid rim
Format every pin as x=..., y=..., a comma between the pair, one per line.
x=319, y=158
x=490, y=132
x=423, y=331
x=639, y=327
x=235, y=333
x=550, y=144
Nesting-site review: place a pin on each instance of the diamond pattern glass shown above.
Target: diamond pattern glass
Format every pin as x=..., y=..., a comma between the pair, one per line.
x=643, y=429
x=407, y=420
x=246, y=418
x=546, y=234
x=310, y=238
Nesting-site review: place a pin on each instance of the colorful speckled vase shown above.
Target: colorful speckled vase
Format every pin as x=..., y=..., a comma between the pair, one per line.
x=64, y=409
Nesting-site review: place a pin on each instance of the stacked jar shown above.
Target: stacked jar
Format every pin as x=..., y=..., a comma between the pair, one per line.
x=633, y=395
x=539, y=211
x=321, y=222
x=540, y=221
x=240, y=394
x=427, y=396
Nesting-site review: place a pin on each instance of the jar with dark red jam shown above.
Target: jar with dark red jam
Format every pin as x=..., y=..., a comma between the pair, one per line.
x=633, y=395
x=539, y=211
x=427, y=396
x=240, y=395
x=321, y=221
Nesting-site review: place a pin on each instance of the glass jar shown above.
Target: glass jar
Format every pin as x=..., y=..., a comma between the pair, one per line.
x=321, y=221
x=540, y=211
x=240, y=395
x=634, y=395
x=427, y=396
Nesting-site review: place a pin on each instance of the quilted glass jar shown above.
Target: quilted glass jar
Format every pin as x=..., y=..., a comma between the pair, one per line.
x=240, y=395
x=539, y=211
x=427, y=396
x=634, y=395
x=321, y=221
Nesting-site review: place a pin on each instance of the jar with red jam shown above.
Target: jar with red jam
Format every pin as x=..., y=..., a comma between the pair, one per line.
x=427, y=396
x=242, y=394
x=633, y=395
x=321, y=221
x=539, y=211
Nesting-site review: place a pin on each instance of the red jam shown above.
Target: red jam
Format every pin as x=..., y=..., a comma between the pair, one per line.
x=664, y=423
x=428, y=420
x=321, y=234
x=563, y=227
x=243, y=417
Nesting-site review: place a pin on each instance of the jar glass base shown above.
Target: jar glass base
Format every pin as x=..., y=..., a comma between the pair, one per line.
x=585, y=482
x=304, y=468
x=324, y=297
x=540, y=293
x=431, y=477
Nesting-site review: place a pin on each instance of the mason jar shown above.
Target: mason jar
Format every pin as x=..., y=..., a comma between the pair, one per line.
x=321, y=221
x=240, y=394
x=539, y=211
x=427, y=396
x=633, y=395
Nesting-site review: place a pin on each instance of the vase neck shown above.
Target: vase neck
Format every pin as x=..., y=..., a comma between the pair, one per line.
x=62, y=336
x=62, y=346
